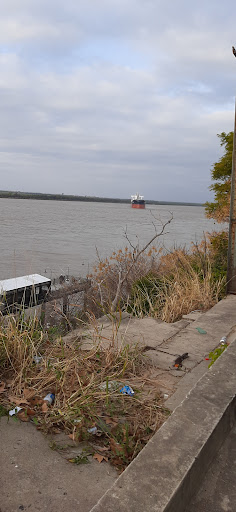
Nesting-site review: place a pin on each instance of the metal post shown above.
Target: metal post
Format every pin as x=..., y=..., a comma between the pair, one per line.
x=231, y=273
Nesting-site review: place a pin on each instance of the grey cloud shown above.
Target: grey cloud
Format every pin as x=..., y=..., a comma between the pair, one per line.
x=70, y=123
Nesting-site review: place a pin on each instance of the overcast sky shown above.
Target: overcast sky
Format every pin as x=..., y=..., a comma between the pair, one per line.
x=113, y=97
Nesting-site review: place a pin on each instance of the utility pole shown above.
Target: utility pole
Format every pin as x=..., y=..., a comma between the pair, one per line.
x=231, y=272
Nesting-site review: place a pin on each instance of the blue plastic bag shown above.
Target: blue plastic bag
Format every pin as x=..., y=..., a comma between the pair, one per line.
x=127, y=390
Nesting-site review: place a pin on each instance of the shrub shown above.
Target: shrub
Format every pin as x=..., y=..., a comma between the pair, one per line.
x=182, y=285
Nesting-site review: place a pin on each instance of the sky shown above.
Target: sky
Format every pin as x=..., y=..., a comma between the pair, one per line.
x=112, y=97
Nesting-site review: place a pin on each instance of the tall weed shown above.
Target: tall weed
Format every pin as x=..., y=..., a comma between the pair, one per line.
x=164, y=285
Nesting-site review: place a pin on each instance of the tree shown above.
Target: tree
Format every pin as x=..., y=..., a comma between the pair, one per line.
x=221, y=175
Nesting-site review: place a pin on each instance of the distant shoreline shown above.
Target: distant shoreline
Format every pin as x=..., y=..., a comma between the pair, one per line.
x=8, y=194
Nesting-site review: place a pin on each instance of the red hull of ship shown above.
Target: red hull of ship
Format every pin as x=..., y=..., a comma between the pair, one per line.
x=140, y=206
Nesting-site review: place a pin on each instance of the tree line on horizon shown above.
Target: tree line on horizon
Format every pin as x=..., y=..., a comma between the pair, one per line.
x=9, y=194
x=221, y=186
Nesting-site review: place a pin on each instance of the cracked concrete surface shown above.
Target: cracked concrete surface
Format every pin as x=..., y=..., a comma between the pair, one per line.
x=163, y=342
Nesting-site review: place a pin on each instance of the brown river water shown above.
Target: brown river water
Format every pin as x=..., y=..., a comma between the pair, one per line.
x=57, y=237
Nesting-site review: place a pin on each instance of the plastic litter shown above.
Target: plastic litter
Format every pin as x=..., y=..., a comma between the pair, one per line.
x=165, y=396
x=49, y=398
x=223, y=340
x=127, y=390
x=92, y=430
x=200, y=330
x=112, y=385
x=15, y=411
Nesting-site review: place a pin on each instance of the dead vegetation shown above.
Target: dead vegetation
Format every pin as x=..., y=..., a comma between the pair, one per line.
x=162, y=284
x=87, y=388
x=179, y=286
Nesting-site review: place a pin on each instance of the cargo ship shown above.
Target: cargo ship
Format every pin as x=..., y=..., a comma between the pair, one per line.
x=137, y=201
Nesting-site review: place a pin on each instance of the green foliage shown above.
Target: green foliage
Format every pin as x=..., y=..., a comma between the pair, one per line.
x=55, y=332
x=221, y=175
x=144, y=294
x=216, y=353
x=222, y=169
x=80, y=459
x=219, y=253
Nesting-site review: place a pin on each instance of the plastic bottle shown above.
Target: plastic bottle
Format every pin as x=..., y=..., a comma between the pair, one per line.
x=49, y=398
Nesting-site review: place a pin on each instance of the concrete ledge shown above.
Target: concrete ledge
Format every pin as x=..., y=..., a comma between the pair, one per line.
x=169, y=470
x=186, y=384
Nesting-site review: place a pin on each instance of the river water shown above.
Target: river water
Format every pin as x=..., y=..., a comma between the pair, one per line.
x=57, y=237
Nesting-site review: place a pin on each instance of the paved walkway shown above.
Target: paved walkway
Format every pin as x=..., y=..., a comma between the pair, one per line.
x=36, y=478
x=163, y=342
x=33, y=477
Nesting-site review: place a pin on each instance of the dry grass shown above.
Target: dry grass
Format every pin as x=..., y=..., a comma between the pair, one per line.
x=105, y=277
x=75, y=376
x=189, y=285
x=189, y=293
x=162, y=286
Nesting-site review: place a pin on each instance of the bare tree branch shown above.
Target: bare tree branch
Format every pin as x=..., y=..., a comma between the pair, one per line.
x=135, y=259
x=128, y=240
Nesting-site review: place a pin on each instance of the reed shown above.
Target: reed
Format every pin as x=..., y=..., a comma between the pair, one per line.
x=183, y=284
x=163, y=284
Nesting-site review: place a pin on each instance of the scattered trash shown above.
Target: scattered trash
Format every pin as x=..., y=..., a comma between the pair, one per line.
x=37, y=359
x=223, y=340
x=112, y=385
x=165, y=396
x=15, y=411
x=49, y=398
x=127, y=390
x=200, y=330
x=180, y=359
x=92, y=430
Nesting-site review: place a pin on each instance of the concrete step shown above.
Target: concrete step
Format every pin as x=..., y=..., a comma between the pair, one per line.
x=169, y=470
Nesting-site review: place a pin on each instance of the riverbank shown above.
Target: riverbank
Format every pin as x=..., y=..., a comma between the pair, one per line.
x=151, y=481
x=65, y=237
x=91, y=199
